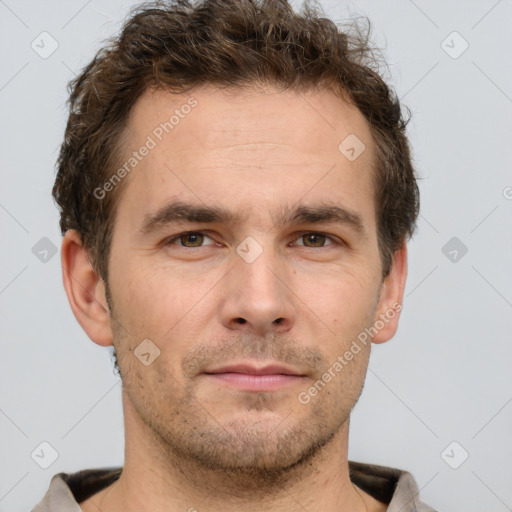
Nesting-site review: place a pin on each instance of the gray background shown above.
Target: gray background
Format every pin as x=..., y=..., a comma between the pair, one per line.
x=446, y=375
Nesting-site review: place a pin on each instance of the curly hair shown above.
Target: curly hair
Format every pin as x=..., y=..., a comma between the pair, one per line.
x=177, y=45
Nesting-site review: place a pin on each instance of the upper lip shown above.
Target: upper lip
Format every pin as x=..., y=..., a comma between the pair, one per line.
x=252, y=369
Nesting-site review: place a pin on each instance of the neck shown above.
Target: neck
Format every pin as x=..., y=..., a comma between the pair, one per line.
x=155, y=479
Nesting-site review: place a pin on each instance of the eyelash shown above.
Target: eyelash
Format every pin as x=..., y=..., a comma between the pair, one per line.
x=335, y=241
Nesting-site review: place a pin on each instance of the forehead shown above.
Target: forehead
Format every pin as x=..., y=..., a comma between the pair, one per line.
x=315, y=119
x=257, y=149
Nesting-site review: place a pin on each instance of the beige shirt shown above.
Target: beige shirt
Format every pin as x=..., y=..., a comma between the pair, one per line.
x=394, y=487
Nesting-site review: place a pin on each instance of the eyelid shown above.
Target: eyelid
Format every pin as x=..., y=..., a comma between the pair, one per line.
x=176, y=237
x=334, y=240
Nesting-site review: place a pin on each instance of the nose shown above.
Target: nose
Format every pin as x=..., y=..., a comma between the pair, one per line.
x=257, y=297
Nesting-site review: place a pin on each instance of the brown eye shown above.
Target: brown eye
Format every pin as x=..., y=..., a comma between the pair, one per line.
x=314, y=240
x=190, y=240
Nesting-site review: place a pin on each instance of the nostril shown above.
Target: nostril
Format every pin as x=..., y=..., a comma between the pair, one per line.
x=278, y=321
x=241, y=320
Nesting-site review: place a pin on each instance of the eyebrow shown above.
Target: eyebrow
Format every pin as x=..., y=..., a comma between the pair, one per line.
x=180, y=211
x=323, y=213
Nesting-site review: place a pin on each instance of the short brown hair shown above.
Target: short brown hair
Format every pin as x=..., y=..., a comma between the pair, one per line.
x=177, y=45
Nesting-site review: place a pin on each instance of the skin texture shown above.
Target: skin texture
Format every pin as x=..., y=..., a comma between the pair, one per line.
x=193, y=440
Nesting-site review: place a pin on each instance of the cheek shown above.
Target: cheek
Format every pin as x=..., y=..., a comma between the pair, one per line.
x=343, y=299
x=159, y=304
x=151, y=296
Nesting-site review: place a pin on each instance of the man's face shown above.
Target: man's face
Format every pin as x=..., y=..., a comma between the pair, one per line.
x=223, y=308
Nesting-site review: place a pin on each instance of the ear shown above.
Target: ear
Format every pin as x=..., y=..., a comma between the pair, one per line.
x=390, y=301
x=85, y=290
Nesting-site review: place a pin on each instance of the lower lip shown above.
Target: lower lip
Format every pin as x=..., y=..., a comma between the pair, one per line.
x=250, y=382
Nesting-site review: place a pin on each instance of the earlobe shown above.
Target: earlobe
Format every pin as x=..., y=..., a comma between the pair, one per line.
x=85, y=290
x=390, y=303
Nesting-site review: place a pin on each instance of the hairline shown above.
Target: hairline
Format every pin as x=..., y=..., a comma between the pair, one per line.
x=117, y=156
